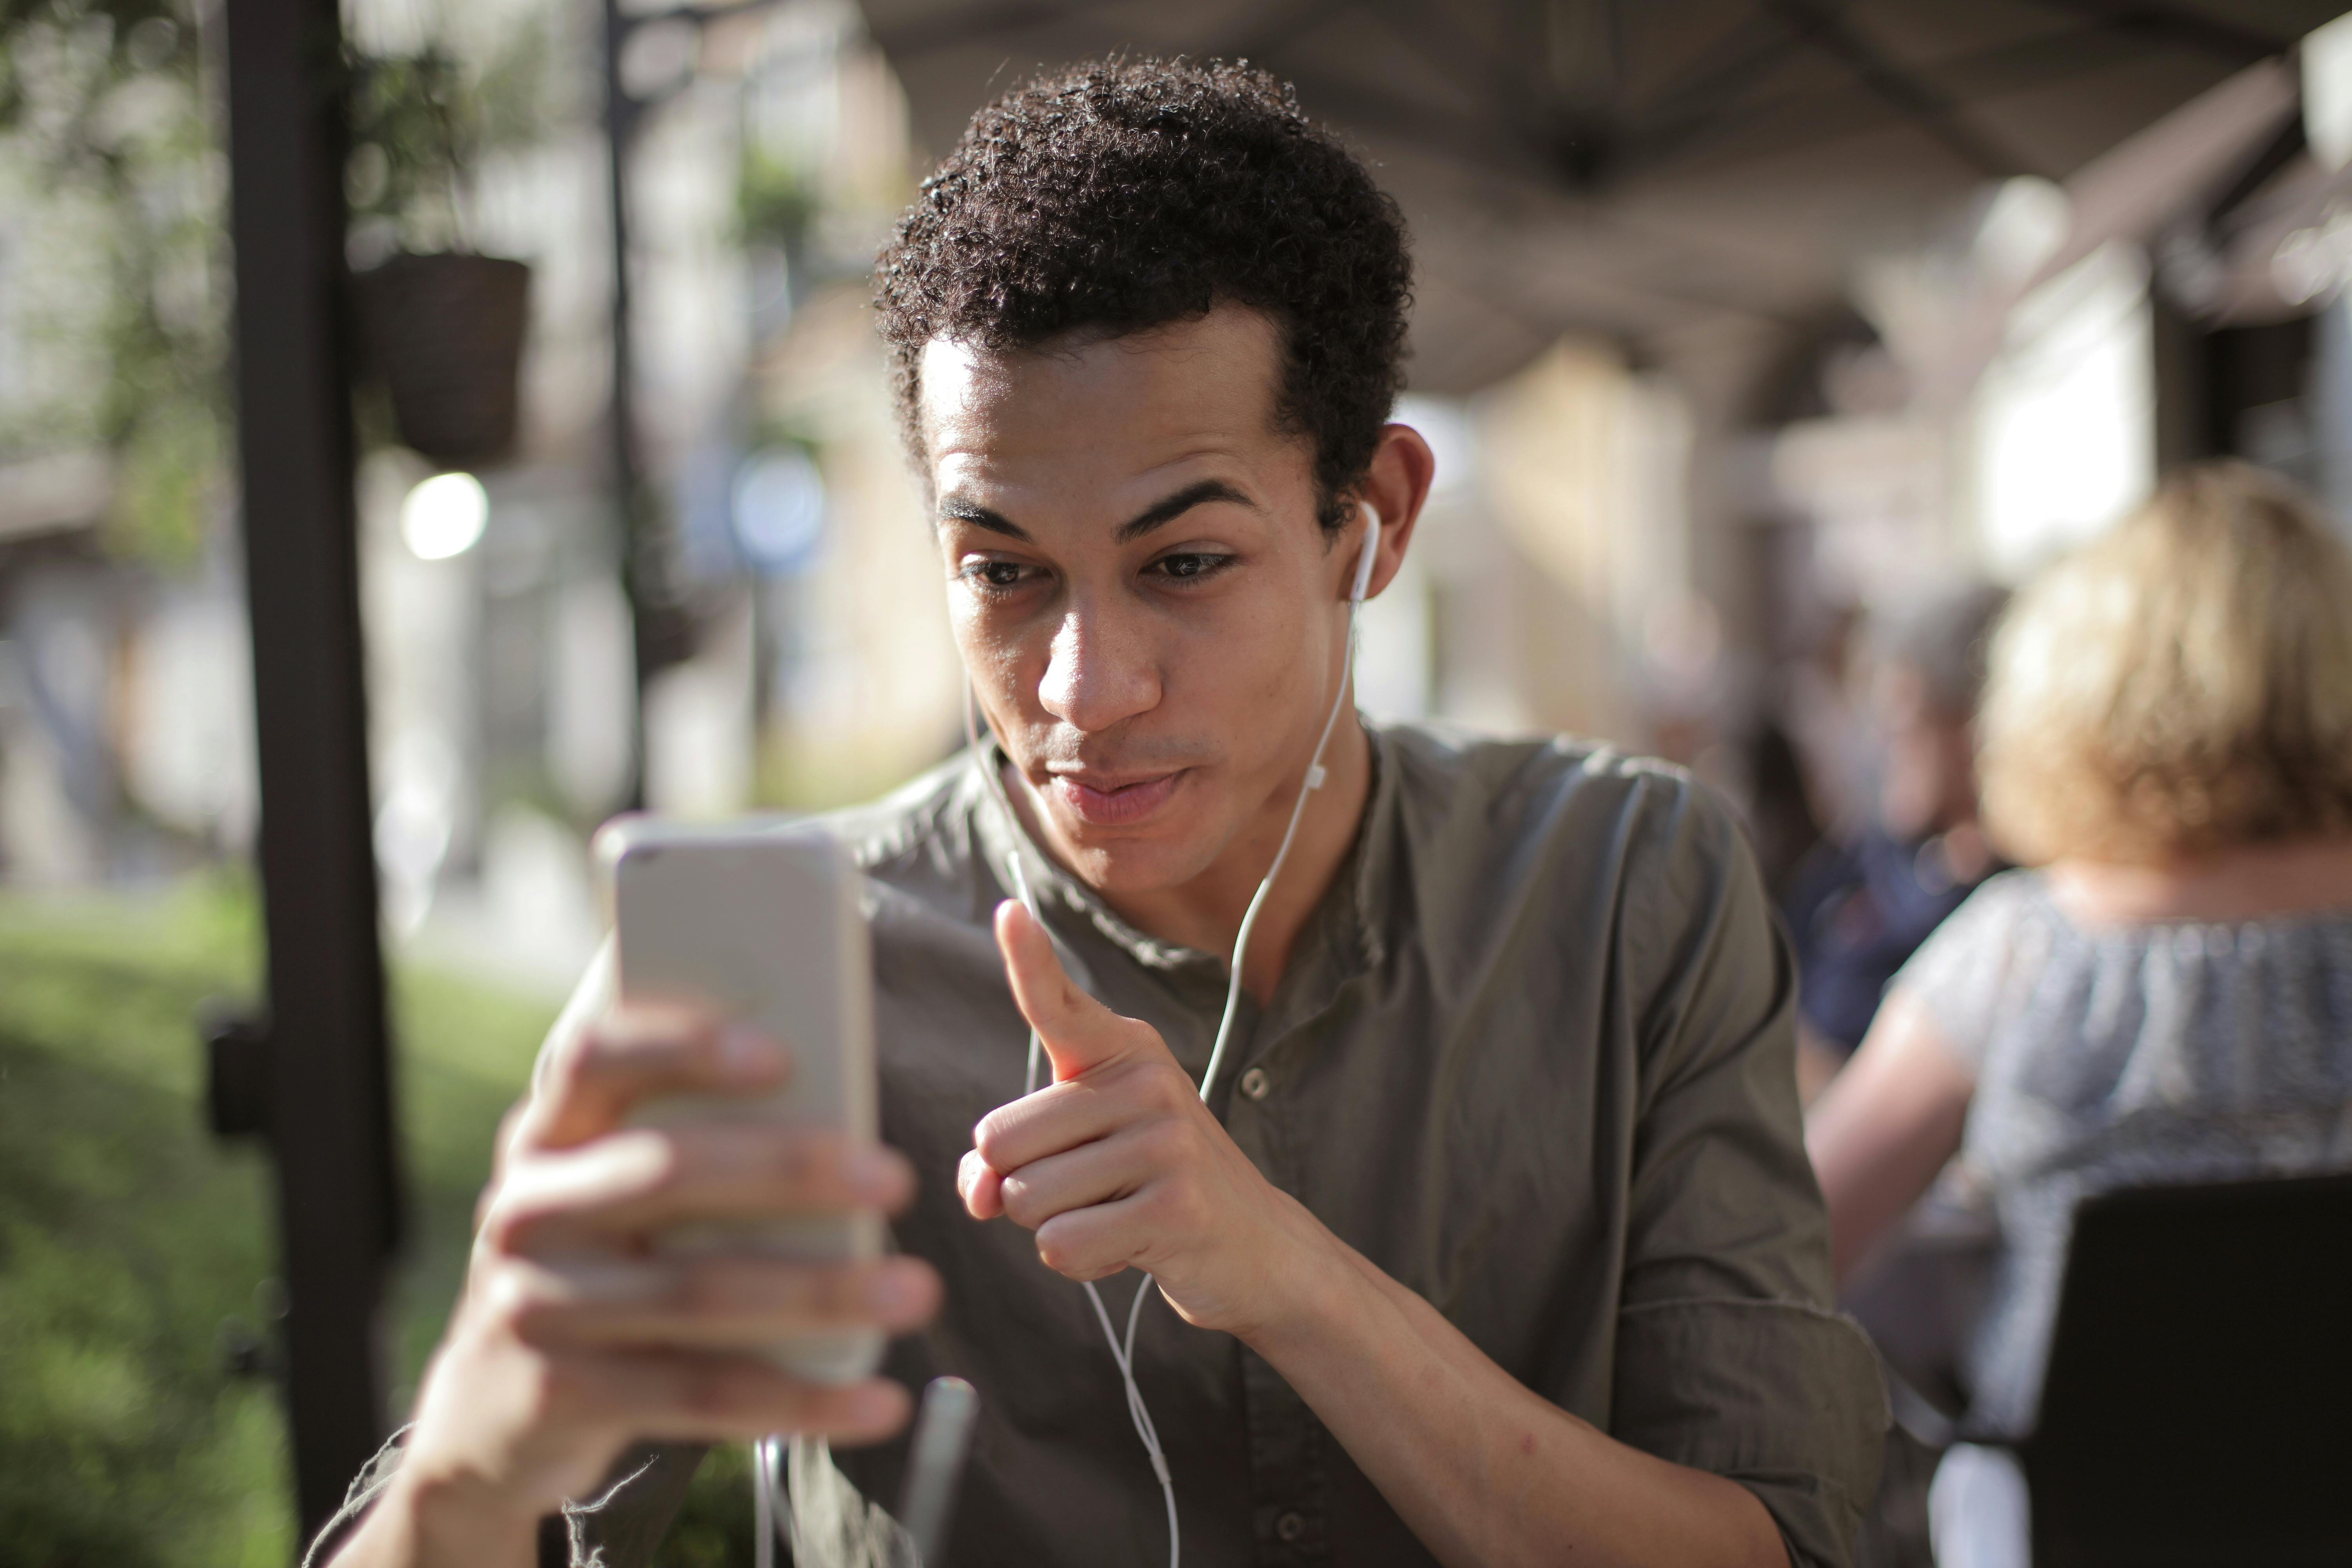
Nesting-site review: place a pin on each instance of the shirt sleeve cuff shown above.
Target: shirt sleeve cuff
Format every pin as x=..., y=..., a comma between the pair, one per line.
x=1780, y=1397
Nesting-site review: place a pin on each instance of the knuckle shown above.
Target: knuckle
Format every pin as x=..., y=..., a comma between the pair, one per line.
x=710, y=1287
x=506, y=1302
x=546, y=1390
x=506, y=1226
x=1064, y=1249
x=1165, y=1141
x=668, y=1161
x=831, y=1293
x=797, y=1161
x=565, y=1051
x=574, y=1060
x=1020, y=1202
x=530, y=1322
x=531, y=1319
x=706, y=1388
x=1166, y=1086
x=510, y=1127
x=1176, y=1205
x=987, y=1138
x=1053, y=1252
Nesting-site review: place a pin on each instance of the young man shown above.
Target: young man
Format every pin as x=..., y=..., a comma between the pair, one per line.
x=1496, y=1242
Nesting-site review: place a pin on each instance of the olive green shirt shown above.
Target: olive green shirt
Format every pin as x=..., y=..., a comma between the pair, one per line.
x=1532, y=1055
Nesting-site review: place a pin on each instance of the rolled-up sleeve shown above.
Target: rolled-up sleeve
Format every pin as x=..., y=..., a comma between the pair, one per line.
x=1728, y=1357
x=1782, y=1397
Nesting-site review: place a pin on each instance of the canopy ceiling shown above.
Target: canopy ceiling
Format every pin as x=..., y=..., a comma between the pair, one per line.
x=1651, y=171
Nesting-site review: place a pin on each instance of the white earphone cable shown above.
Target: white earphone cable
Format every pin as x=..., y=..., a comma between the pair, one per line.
x=770, y=1506
x=1257, y=901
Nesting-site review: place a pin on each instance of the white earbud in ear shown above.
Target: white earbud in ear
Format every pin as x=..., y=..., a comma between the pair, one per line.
x=1372, y=552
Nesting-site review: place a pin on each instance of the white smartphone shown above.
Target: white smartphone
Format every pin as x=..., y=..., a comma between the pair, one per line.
x=758, y=921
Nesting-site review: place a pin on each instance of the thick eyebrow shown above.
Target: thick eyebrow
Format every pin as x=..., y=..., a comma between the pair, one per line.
x=1158, y=514
x=954, y=511
x=1162, y=512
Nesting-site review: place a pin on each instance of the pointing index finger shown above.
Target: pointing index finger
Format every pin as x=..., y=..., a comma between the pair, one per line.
x=1079, y=1034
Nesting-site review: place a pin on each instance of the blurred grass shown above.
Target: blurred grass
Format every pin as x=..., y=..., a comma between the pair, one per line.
x=129, y=1238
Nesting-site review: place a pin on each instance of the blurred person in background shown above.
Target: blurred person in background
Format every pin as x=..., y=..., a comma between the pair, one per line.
x=2166, y=994
x=1857, y=910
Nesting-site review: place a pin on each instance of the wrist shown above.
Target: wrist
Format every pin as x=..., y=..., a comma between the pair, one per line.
x=451, y=1520
x=1313, y=1289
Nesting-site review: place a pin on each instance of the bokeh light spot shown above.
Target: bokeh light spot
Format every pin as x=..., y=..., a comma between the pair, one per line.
x=445, y=516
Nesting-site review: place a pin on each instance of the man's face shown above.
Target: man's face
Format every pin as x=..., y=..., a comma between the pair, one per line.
x=1150, y=614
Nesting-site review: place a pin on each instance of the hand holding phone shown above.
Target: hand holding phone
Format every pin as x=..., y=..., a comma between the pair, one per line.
x=759, y=925
x=650, y=1261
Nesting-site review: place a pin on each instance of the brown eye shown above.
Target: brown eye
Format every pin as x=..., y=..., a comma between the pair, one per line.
x=1191, y=566
x=994, y=576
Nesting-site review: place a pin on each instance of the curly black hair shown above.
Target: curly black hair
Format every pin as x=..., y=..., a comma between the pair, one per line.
x=1127, y=194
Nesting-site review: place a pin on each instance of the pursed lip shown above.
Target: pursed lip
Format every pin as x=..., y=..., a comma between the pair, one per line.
x=1112, y=800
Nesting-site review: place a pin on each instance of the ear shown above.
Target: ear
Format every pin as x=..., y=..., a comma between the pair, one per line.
x=1396, y=485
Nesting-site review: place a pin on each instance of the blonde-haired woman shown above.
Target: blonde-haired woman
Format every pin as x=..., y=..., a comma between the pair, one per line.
x=2165, y=993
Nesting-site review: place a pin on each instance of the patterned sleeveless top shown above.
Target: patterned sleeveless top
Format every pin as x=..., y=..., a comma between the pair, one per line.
x=2125, y=1056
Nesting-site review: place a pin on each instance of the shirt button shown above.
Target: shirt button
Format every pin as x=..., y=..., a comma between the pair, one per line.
x=1255, y=1084
x=1290, y=1526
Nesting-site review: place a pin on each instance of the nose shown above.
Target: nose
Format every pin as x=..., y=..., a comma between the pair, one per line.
x=1098, y=674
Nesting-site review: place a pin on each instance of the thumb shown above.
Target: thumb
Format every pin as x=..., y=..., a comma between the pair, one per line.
x=1079, y=1034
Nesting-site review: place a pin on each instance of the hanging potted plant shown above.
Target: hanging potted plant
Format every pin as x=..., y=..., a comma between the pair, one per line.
x=441, y=325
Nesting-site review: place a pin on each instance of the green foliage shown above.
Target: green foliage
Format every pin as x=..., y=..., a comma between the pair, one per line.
x=126, y=1240
x=129, y=1240
x=103, y=114
x=416, y=133
x=413, y=135
x=422, y=123
x=101, y=44
x=169, y=468
x=715, y=1527
x=464, y=1054
x=101, y=106
x=776, y=201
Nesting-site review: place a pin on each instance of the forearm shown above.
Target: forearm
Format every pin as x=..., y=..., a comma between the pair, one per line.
x=1883, y=1130
x=1482, y=1470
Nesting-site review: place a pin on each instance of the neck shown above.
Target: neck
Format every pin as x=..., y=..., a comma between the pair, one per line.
x=2244, y=882
x=1206, y=912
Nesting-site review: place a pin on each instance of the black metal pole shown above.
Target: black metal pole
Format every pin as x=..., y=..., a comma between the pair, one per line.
x=620, y=115
x=641, y=576
x=326, y=1100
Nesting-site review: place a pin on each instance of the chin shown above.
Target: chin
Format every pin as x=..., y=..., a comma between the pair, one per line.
x=1138, y=858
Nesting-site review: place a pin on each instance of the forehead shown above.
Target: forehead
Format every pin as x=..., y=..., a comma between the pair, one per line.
x=1103, y=408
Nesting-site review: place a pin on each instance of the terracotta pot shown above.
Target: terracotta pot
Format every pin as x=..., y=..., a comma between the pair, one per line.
x=446, y=334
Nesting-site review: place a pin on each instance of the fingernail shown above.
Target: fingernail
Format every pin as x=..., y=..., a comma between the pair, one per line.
x=747, y=1056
